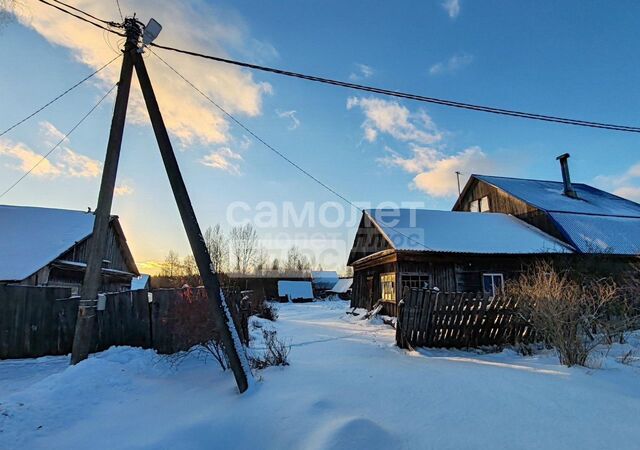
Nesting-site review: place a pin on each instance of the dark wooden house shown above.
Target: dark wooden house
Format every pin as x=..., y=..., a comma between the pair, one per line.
x=589, y=219
x=445, y=250
x=49, y=247
x=498, y=226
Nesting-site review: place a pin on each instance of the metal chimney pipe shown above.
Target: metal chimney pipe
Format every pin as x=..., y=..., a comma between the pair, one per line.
x=566, y=179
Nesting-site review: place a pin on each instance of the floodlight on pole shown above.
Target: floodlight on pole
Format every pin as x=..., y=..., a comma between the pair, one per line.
x=151, y=32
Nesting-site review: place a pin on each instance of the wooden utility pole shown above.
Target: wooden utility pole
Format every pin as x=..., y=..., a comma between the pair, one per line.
x=93, y=274
x=219, y=310
x=218, y=307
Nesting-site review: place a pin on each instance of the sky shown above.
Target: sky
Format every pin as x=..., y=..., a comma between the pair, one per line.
x=577, y=59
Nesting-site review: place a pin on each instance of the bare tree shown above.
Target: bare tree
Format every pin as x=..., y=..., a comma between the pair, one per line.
x=261, y=263
x=218, y=247
x=244, y=244
x=296, y=261
x=171, y=266
x=275, y=265
x=189, y=266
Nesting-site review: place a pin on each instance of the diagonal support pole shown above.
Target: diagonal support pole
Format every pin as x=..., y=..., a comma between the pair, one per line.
x=93, y=274
x=219, y=309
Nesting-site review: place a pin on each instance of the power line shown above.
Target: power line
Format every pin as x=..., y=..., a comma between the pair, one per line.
x=270, y=147
x=106, y=22
x=119, y=10
x=409, y=96
x=84, y=19
x=58, y=97
x=46, y=155
x=258, y=138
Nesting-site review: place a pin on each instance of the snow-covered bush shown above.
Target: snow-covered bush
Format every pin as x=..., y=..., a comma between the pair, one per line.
x=574, y=315
x=268, y=311
x=276, y=352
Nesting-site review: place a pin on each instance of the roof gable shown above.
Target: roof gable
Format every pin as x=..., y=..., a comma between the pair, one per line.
x=549, y=196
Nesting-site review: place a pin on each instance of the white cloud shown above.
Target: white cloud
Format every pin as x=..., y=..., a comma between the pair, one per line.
x=291, y=115
x=625, y=185
x=629, y=192
x=63, y=161
x=452, y=7
x=453, y=64
x=384, y=116
x=362, y=71
x=195, y=25
x=435, y=171
x=224, y=159
x=23, y=159
x=123, y=189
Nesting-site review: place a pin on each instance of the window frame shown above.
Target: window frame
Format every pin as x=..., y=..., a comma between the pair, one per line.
x=388, y=294
x=493, y=284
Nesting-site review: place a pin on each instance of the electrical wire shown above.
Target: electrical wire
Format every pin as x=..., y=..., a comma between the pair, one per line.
x=119, y=10
x=84, y=19
x=106, y=22
x=274, y=150
x=409, y=96
x=58, y=97
x=360, y=87
x=46, y=155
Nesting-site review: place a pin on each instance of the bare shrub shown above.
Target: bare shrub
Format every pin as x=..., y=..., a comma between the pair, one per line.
x=268, y=311
x=573, y=317
x=276, y=352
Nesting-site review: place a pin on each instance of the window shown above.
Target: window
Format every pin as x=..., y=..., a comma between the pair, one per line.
x=484, y=204
x=388, y=283
x=480, y=205
x=414, y=280
x=493, y=283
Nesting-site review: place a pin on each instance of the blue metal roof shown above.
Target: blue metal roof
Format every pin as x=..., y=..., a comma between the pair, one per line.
x=548, y=195
x=601, y=234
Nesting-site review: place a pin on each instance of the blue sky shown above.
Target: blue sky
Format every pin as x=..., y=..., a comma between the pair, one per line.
x=577, y=59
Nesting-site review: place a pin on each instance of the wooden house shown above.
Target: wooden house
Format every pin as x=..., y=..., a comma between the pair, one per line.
x=445, y=250
x=49, y=247
x=497, y=227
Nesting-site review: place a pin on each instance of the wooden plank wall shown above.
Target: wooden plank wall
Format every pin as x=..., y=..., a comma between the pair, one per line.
x=458, y=320
x=39, y=321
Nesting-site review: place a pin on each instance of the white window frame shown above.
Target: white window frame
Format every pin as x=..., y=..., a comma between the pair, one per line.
x=493, y=284
x=484, y=204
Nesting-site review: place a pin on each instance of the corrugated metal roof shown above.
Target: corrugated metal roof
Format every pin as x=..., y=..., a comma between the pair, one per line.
x=548, y=195
x=601, y=234
x=462, y=232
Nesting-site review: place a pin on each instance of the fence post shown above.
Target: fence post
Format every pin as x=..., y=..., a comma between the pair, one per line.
x=400, y=339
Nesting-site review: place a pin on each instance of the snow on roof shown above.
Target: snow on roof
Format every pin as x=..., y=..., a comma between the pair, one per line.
x=295, y=289
x=462, y=232
x=324, y=279
x=601, y=234
x=140, y=282
x=30, y=237
x=342, y=286
x=548, y=195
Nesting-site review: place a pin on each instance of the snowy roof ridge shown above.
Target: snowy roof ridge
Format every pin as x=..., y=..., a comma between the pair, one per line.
x=462, y=232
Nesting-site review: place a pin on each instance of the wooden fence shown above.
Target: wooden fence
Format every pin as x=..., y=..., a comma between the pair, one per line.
x=38, y=321
x=460, y=320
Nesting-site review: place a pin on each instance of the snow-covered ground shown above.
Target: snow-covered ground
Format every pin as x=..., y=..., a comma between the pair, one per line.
x=347, y=387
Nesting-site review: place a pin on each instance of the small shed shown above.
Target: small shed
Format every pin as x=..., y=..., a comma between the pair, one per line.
x=323, y=280
x=143, y=282
x=295, y=291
